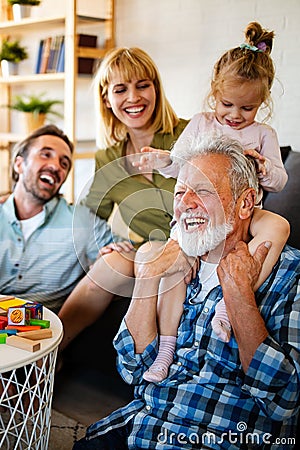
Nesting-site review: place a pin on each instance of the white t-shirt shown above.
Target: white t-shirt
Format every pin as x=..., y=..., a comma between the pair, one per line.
x=30, y=225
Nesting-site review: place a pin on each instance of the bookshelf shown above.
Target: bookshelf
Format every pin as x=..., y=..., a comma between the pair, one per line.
x=72, y=24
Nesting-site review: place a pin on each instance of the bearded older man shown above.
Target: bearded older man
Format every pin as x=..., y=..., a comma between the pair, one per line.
x=239, y=394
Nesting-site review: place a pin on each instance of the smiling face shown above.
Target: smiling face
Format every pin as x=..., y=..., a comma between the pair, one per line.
x=44, y=169
x=203, y=205
x=132, y=102
x=237, y=104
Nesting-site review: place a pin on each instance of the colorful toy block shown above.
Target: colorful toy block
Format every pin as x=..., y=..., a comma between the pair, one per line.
x=35, y=335
x=23, y=343
x=42, y=323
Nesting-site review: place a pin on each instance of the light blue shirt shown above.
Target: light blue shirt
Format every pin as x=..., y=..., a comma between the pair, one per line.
x=56, y=255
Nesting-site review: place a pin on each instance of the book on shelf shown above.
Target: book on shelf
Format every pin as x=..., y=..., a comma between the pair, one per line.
x=54, y=52
x=45, y=55
x=60, y=67
x=51, y=54
x=39, y=56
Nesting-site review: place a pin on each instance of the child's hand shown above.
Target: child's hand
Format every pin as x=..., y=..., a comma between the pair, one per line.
x=260, y=161
x=152, y=158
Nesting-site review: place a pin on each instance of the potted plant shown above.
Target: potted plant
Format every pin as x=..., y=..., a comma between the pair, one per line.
x=35, y=109
x=11, y=53
x=22, y=8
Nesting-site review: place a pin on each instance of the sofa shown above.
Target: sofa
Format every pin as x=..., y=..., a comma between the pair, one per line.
x=93, y=349
x=285, y=202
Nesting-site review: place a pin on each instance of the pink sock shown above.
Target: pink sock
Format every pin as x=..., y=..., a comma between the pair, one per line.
x=159, y=369
x=220, y=322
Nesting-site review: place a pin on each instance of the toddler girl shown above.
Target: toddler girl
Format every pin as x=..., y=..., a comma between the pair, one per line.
x=240, y=87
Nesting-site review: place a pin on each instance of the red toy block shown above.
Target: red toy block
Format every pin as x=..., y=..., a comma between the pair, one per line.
x=23, y=327
x=3, y=322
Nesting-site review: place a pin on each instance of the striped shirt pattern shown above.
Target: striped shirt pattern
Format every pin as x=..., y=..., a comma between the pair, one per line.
x=47, y=267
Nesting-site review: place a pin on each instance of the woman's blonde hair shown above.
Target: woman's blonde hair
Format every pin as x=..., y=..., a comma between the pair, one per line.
x=250, y=61
x=130, y=63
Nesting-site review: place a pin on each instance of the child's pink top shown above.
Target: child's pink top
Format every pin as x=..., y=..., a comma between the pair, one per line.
x=258, y=136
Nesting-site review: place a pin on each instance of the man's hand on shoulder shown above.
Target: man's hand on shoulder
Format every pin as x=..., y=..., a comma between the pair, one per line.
x=239, y=269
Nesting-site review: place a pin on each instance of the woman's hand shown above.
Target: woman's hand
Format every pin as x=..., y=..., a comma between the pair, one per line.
x=152, y=158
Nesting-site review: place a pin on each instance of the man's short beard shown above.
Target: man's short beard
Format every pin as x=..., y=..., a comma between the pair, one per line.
x=36, y=193
x=199, y=243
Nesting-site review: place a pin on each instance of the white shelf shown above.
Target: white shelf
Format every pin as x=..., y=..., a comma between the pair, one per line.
x=39, y=77
x=29, y=25
x=10, y=138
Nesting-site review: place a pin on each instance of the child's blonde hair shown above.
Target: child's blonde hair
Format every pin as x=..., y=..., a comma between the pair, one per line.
x=250, y=61
x=130, y=63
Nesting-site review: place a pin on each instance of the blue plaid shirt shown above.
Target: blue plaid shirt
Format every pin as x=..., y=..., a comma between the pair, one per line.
x=207, y=401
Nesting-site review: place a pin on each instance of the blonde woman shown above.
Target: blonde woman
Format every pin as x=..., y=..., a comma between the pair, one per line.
x=133, y=112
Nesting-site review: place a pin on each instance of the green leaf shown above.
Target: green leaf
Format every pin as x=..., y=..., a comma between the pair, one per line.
x=24, y=2
x=35, y=104
x=12, y=51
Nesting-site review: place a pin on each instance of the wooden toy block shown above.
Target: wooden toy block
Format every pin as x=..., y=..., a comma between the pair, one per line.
x=16, y=315
x=42, y=323
x=23, y=343
x=9, y=332
x=23, y=327
x=34, y=310
x=6, y=297
x=3, y=338
x=5, y=304
x=22, y=314
x=44, y=333
x=3, y=322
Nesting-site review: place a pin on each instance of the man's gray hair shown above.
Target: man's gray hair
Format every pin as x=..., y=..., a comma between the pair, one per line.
x=242, y=171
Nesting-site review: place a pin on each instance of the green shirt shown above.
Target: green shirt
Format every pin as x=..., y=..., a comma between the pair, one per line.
x=145, y=206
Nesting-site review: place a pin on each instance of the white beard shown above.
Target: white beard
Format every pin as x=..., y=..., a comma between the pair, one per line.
x=199, y=243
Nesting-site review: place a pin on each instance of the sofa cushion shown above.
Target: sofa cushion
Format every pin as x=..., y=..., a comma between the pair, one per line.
x=286, y=202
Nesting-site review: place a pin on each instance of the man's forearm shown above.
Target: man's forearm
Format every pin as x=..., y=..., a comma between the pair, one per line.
x=248, y=327
x=238, y=273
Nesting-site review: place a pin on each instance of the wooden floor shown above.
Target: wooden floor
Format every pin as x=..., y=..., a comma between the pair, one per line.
x=86, y=396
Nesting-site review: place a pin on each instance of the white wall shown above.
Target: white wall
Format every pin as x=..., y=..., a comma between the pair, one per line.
x=186, y=37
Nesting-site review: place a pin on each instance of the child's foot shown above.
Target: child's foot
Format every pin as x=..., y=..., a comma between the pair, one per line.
x=220, y=322
x=155, y=374
x=159, y=369
x=222, y=330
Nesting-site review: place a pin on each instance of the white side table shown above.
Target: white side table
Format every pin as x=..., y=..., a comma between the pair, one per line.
x=26, y=391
